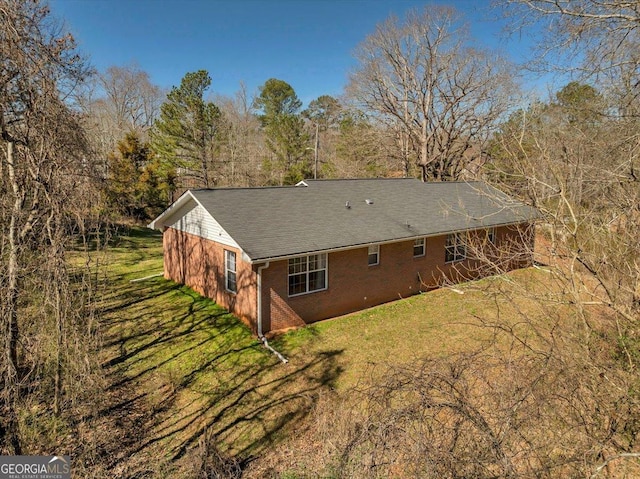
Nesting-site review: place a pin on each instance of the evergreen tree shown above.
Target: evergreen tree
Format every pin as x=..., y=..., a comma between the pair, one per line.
x=325, y=111
x=137, y=185
x=188, y=134
x=583, y=104
x=284, y=131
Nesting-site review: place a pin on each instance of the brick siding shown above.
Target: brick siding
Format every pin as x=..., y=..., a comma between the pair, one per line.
x=199, y=264
x=352, y=284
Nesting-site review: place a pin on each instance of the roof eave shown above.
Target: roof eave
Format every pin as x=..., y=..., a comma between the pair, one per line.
x=389, y=241
x=159, y=223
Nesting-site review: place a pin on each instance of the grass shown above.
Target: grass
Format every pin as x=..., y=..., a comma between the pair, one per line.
x=431, y=324
x=179, y=365
x=434, y=324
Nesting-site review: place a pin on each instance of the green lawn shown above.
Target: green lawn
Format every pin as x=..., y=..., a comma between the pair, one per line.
x=181, y=365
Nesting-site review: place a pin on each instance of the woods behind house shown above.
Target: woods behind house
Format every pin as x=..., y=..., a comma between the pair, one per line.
x=554, y=393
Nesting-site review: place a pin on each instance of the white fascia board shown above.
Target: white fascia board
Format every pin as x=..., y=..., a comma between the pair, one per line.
x=160, y=221
x=168, y=218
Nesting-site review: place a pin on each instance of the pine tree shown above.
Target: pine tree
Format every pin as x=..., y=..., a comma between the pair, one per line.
x=284, y=130
x=188, y=134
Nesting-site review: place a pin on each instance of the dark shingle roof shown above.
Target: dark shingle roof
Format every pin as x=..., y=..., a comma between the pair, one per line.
x=272, y=222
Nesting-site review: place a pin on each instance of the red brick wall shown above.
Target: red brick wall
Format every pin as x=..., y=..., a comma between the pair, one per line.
x=199, y=263
x=354, y=285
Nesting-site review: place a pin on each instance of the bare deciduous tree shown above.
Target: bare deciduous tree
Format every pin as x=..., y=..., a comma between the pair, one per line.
x=114, y=103
x=598, y=39
x=362, y=149
x=244, y=145
x=445, y=96
x=42, y=175
x=134, y=100
x=582, y=176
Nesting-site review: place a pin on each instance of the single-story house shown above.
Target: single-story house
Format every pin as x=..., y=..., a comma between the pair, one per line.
x=286, y=256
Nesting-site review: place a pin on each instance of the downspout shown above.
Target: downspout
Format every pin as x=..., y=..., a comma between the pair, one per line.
x=261, y=336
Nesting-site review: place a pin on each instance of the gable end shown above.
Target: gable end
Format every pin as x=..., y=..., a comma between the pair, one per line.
x=189, y=216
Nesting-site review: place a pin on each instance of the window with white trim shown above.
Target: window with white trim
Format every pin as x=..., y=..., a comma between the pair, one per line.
x=307, y=274
x=374, y=254
x=230, y=276
x=455, y=248
x=418, y=247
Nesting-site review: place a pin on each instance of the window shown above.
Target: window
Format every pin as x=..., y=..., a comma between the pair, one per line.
x=230, y=271
x=418, y=247
x=491, y=235
x=307, y=274
x=455, y=248
x=374, y=254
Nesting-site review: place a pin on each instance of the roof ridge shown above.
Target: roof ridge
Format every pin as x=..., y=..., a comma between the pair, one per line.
x=227, y=188
x=331, y=180
x=359, y=179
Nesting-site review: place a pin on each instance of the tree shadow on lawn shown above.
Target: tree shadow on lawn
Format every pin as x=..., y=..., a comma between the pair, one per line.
x=123, y=297
x=183, y=366
x=167, y=330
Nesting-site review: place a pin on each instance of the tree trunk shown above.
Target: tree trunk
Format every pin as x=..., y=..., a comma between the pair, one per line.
x=11, y=318
x=205, y=160
x=57, y=393
x=424, y=149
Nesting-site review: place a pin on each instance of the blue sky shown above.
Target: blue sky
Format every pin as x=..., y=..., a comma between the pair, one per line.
x=307, y=43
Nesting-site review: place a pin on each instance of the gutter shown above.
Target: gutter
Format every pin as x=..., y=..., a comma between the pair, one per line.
x=261, y=336
x=389, y=241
